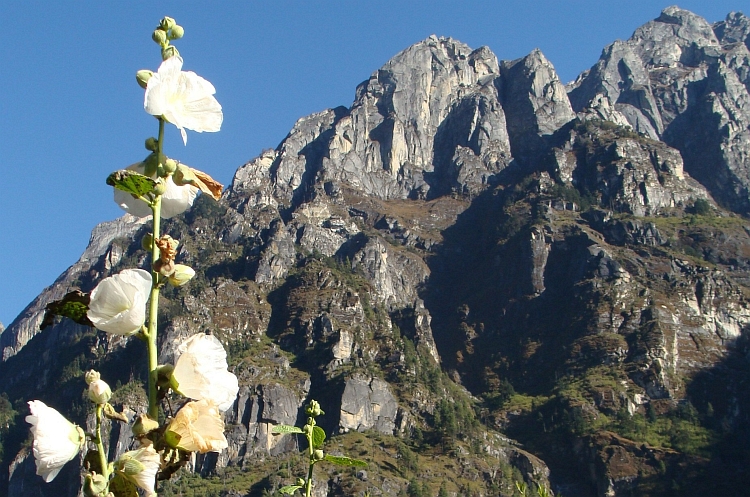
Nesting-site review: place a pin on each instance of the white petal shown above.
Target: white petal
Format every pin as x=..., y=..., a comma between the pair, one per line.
x=56, y=440
x=118, y=303
x=202, y=371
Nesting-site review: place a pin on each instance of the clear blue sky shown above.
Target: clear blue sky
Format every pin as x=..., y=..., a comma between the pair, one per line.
x=71, y=112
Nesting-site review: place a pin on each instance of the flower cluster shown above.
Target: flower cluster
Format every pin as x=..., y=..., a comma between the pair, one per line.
x=126, y=304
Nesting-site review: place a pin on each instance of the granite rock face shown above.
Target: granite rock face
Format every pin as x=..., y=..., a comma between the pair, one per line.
x=681, y=80
x=467, y=230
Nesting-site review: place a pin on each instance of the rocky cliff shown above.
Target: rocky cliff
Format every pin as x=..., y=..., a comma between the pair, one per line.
x=485, y=277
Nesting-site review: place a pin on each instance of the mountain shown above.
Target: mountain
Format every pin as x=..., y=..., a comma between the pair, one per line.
x=486, y=277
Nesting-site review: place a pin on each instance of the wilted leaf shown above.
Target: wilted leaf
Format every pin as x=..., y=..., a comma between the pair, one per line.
x=318, y=437
x=280, y=429
x=345, y=461
x=289, y=489
x=132, y=182
x=73, y=305
x=110, y=412
x=207, y=184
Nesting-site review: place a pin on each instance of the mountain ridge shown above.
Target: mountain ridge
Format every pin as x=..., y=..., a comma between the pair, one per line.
x=470, y=240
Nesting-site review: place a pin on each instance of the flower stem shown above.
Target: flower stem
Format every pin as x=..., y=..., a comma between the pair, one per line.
x=311, y=452
x=99, y=444
x=153, y=311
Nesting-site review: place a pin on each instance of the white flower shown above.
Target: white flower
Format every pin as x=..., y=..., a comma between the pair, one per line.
x=99, y=391
x=176, y=200
x=182, y=98
x=140, y=467
x=56, y=440
x=118, y=303
x=197, y=427
x=201, y=371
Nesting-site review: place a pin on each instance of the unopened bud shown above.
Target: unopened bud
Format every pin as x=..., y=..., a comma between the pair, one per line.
x=169, y=51
x=142, y=77
x=160, y=37
x=164, y=375
x=176, y=32
x=99, y=392
x=318, y=455
x=182, y=274
x=152, y=144
x=144, y=425
x=92, y=376
x=166, y=23
x=170, y=166
x=160, y=188
x=300, y=482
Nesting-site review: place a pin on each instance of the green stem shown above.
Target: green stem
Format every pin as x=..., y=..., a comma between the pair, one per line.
x=99, y=444
x=311, y=453
x=153, y=311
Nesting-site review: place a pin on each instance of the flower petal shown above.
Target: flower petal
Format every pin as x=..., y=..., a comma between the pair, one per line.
x=56, y=440
x=118, y=303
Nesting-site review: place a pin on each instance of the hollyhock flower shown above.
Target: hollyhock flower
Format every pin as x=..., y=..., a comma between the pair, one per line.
x=140, y=467
x=174, y=201
x=197, y=427
x=182, y=98
x=56, y=440
x=201, y=371
x=118, y=303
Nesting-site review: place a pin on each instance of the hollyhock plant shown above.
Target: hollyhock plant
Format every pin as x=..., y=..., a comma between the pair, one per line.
x=174, y=201
x=118, y=303
x=182, y=98
x=56, y=440
x=201, y=371
x=140, y=467
x=197, y=427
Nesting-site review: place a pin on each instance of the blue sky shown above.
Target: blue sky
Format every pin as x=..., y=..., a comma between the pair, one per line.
x=71, y=112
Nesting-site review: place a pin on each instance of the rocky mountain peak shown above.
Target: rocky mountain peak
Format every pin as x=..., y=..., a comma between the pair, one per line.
x=734, y=29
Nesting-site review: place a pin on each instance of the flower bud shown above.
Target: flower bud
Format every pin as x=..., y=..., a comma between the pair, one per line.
x=144, y=425
x=160, y=37
x=318, y=455
x=99, y=392
x=183, y=175
x=176, y=32
x=148, y=241
x=92, y=376
x=166, y=23
x=152, y=144
x=142, y=77
x=182, y=274
x=313, y=409
x=169, y=51
x=300, y=482
x=170, y=166
x=160, y=188
x=164, y=375
x=95, y=485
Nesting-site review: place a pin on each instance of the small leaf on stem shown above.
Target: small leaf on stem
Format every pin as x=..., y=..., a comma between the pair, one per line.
x=318, y=437
x=281, y=429
x=131, y=182
x=73, y=305
x=289, y=489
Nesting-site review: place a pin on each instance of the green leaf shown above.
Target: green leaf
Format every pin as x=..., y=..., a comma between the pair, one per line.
x=318, y=437
x=73, y=305
x=132, y=182
x=289, y=489
x=345, y=461
x=285, y=429
x=122, y=487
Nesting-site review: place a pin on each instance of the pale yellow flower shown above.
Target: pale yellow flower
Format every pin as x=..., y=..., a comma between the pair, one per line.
x=140, y=467
x=197, y=427
x=201, y=371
